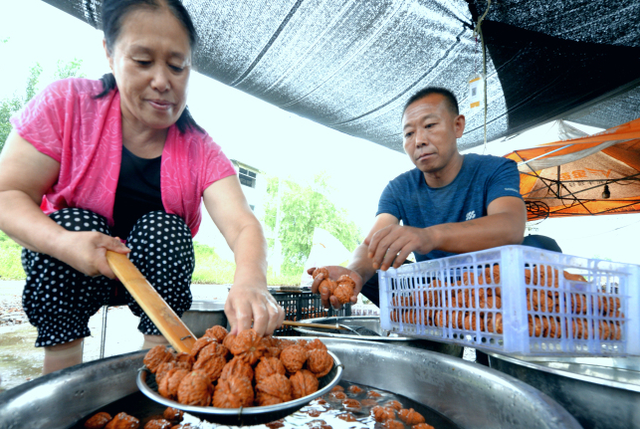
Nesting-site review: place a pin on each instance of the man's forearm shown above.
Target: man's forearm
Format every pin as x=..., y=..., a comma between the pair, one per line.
x=361, y=263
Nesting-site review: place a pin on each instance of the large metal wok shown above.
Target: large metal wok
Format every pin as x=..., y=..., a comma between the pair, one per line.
x=470, y=395
x=600, y=392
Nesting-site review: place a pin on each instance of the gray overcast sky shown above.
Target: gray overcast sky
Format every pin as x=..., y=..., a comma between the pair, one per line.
x=271, y=139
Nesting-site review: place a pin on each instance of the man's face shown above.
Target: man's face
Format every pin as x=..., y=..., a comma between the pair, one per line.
x=430, y=132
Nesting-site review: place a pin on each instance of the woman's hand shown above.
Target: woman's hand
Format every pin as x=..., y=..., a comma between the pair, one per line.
x=249, y=305
x=86, y=251
x=335, y=271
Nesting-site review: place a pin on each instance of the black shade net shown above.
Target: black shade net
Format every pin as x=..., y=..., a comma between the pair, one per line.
x=352, y=64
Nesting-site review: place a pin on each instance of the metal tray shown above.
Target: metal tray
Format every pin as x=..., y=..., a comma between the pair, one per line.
x=242, y=416
x=600, y=392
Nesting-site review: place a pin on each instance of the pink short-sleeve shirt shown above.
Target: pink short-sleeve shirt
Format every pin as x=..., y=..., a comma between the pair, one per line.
x=84, y=135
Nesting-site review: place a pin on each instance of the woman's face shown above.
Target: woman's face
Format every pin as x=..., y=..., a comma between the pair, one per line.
x=151, y=61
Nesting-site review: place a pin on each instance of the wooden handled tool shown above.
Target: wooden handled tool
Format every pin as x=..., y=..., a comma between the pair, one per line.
x=312, y=325
x=165, y=319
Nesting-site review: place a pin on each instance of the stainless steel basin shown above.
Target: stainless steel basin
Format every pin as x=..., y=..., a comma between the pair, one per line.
x=204, y=314
x=600, y=392
x=470, y=395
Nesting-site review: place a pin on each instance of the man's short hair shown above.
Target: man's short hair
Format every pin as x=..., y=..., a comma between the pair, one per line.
x=452, y=102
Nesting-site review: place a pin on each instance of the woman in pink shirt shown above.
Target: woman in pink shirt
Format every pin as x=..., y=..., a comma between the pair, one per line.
x=92, y=162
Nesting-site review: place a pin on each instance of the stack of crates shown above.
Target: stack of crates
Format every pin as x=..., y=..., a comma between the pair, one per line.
x=304, y=305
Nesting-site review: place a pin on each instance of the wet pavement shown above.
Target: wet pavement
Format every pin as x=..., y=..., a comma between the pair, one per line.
x=20, y=361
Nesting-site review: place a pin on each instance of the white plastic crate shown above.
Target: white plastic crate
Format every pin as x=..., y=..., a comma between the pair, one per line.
x=518, y=300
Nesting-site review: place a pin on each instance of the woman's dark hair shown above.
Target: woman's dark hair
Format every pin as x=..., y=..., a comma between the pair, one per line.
x=113, y=13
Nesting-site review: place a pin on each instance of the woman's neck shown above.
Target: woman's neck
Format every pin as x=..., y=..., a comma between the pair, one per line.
x=143, y=142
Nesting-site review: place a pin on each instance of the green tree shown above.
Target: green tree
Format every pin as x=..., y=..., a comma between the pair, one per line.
x=302, y=209
x=10, y=105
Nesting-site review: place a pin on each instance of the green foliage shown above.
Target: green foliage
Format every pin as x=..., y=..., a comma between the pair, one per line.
x=302, y=209
x=10, y=262
x=11, y=105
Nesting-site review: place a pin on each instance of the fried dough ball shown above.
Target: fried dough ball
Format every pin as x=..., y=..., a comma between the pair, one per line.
x=319, y=362
x=123, y=421
x=382, y=414
x=373, y=394
x=343, y=293
x=274, y=389
x=355, y=389
x=293, y=358
x=185, y=426
x=217, y=332
x=168, y=386
x=368, y=402
x=237, y=367
x=337, y=388
x=158, y=424
x=303, y=383
x=233, y=392
x=248, y=346
x=347, y=417
x=184, y=361
x=98, y=421
x=392, y=403
x=272, y=346
x=156, y=356
x=268, y=366
x=321, y=270
x=329, y=284
x=173, y=414
x=200, y=343
x=422, y=426
x=163, y=369
x=315, y=344
x=337, y=395
x=210, y=364
x=350, y=404
x=410, y=416
x=393, y=424
x=228, y=340
x=195, y=389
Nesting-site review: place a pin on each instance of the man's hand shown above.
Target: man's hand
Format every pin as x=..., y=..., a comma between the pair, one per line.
x=391, y=245
x=335, y=271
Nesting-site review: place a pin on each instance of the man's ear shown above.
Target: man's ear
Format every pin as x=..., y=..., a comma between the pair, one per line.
x=459, y=123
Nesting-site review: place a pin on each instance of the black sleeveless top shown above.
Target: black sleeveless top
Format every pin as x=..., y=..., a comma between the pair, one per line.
x=138, y=191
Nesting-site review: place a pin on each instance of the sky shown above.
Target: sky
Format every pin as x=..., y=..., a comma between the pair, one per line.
x=277, y=142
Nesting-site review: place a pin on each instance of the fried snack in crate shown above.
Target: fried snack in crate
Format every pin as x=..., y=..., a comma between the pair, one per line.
x=494, y=322
x=303, y=383
x=156, y=356
x=168, y=385
x=98, y=421
x=195, y=389
x=393, y=424
x=247, y=345
x=123, y=421
x=268, y=366
x=211, y=363
x=173, y=414
x=351, y=404
x=237, y=367
x=293, y=358
x=410, y=416
x=422, y=426
x=217, y=332
x=233, y=392
x=200, y=343
x=319, y=362
x=273, y=390
x=158, y=424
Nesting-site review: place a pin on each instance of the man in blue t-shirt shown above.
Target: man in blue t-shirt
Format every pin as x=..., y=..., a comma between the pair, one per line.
x=449, y=204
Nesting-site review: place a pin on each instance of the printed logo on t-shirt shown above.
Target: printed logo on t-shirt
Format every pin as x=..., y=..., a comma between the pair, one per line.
x=512, y=190
x=471, y=215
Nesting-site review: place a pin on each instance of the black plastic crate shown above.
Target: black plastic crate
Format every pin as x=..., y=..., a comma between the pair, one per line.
x=304, y=305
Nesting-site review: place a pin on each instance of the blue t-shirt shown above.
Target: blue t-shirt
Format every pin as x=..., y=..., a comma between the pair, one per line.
x=482, y=179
